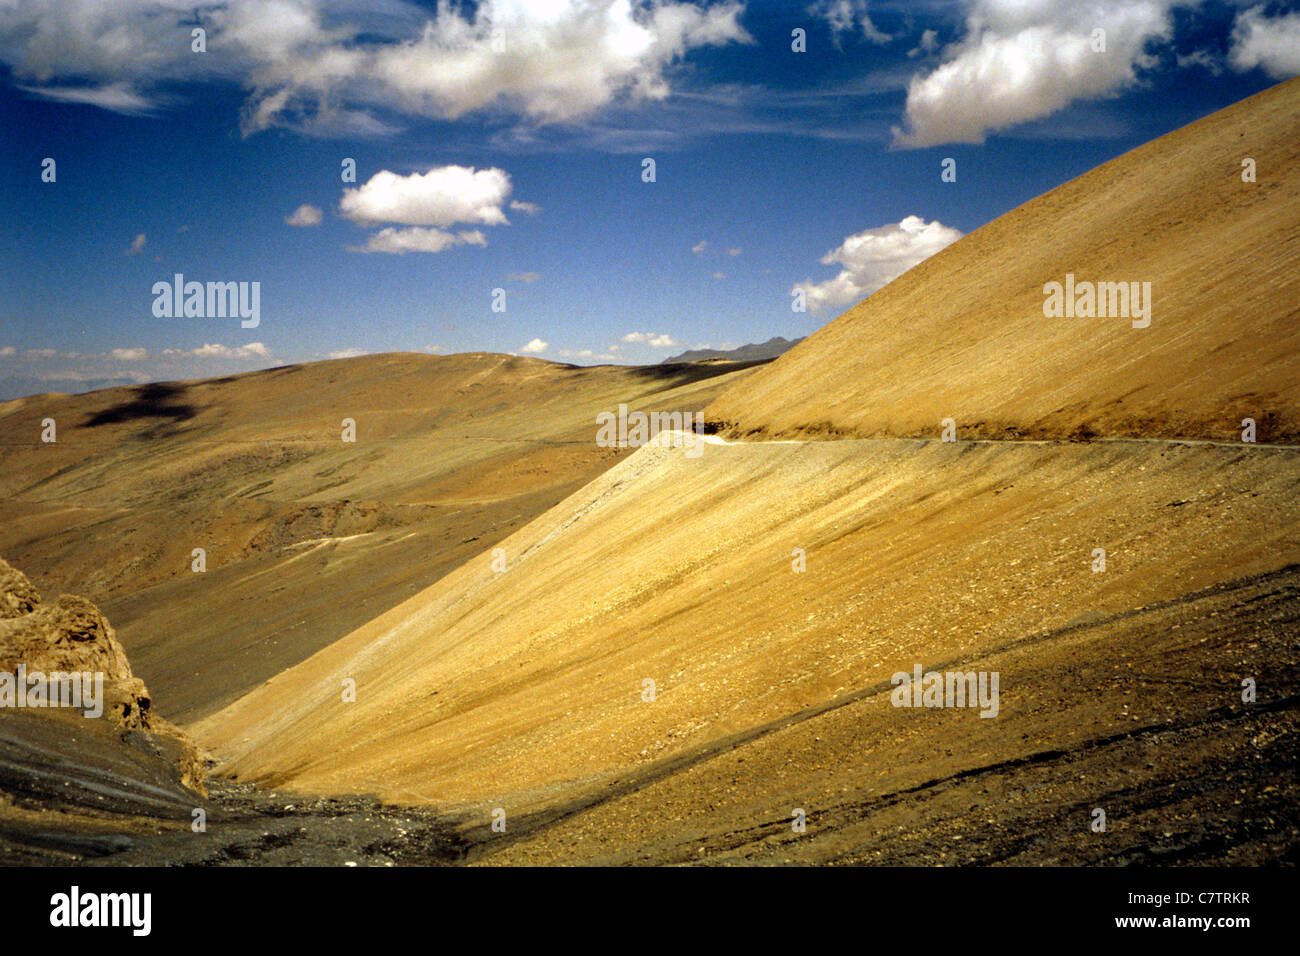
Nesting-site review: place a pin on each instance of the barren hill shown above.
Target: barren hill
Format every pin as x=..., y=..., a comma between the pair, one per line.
x=306, y=536
x=963, y=334
x=524, y=689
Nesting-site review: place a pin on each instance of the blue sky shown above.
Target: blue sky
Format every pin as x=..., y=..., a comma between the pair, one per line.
x=775, y=170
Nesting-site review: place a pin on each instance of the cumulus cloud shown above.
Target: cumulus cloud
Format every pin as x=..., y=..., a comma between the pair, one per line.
x=530, y=208
x=535, y=347
x=873, y=258
x=1020, y=61
x=443, y=196
x=130, y=355
x=426, y=204
x=137, y=245
x=330, y=66
x=699, y=247
x=7, y=352
x=652, y=339
x=419, y=239
x=1272, y=43
x=305, y=215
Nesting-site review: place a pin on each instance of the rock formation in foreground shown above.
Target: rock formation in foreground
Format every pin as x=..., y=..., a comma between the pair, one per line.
x=70, y=636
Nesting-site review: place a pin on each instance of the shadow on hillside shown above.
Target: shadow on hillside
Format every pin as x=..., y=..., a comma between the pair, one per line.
x=160, y=400
x=694, y=371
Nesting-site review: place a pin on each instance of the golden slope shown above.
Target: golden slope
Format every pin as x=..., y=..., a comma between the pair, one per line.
x=307, y=537
x=963, y=335
x=490, y=689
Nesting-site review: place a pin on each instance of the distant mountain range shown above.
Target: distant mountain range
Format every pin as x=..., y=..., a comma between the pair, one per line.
x=745, y=353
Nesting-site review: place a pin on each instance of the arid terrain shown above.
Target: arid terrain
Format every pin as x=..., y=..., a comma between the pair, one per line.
x=306, y=536
x=682, y=656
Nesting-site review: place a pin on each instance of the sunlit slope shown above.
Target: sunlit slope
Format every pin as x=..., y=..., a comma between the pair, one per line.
x=1138, y=714
x=306, y=536
x=963, y=334
x=511, y=688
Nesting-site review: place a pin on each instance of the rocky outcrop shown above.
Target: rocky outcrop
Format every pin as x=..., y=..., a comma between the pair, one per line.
x=17, y=595
x=70, y=635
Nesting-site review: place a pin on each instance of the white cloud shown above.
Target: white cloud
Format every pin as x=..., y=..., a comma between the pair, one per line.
x=347, y=353
x=1272, y=43
x=531, y=208
x=137, y=245
x=733, y=252
x=719, y=275
x=329, y=66
x=699, y=247
x=652, y=339
x=1199, y=58
x=130, y=355
x=927, y=44
x=115, y=97
x=443, y=196
x=426, y=203
x=41, y=353
x=526, y=277
x=535, y=347
x=66, y=375
x=215, y=351
x=305, y=215
x=873, y=258
x=1021, y=60
x=7, y=352
x=550, y=62
x=841, y=15
x=417, y=239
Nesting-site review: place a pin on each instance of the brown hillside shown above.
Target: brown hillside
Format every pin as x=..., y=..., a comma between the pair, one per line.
x=963, y=335
x=307, y=537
